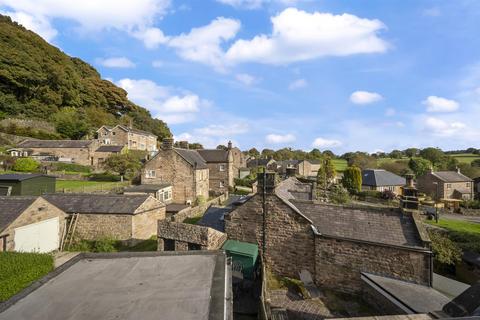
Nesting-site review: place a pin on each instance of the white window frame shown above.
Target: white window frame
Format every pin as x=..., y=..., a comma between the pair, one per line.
x=150, y=174
x=221, y=168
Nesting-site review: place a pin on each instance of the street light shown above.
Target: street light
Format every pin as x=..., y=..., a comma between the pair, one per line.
x=436, y=199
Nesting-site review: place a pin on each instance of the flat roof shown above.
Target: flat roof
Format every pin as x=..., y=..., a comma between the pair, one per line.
x=148, y=285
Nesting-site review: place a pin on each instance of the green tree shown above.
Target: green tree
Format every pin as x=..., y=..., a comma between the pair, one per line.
x=399, y=167
x=25, y=165
x=434, y=155
x=445, y=250
x=253, y=152
x=71, y=123
x=315, y=154
x=476, y=163
x=396, y=154
x=122, y=164
x=362, y=160
x=326, y=173
x=419, y=166
x=411, y=152
x=352, y=179
x=339, y=195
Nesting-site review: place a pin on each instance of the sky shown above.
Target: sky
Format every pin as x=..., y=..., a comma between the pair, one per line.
x=339, y=75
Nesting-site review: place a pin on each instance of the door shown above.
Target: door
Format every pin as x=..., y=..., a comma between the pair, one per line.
x=42, y=236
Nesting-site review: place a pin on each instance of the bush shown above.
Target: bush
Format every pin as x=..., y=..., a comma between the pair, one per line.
x=369, y=193
x=445, y=250
x=25, y=165
x=388, y=195
x=471, y=204
x=352, y=179
x=339, y=195
x=104, y=177
x=101, y=245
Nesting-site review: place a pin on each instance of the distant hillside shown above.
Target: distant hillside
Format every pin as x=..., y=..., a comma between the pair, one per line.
x=38, y=81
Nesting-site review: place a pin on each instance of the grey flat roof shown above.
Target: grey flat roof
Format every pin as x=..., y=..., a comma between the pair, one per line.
x=213, y=218
x=21, y=176
x=147, y=187
x=145, y=286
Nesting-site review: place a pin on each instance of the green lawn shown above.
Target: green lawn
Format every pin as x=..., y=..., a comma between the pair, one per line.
x=340, y=164
x=465, y=234
x=466, y=157
x=84, y=185
x=19, y=270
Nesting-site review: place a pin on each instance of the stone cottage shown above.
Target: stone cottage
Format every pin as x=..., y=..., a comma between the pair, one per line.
x=133, y=139
x=121, y=217
x=184, y=169
x=446, y=185
x=308, y=168
x=220, y=167
x=334, y=243
x=30, y=224
x=103, y=152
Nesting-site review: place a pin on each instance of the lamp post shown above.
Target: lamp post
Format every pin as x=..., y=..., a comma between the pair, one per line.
x=436, y=199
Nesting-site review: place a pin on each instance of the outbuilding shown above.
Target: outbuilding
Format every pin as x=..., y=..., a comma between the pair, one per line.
x=26, y=184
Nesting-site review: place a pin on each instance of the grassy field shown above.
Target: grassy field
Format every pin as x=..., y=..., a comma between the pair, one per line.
x=19, y=270
x=84, y=185
x=465, y=234
x=340, y=164
x=466, y=157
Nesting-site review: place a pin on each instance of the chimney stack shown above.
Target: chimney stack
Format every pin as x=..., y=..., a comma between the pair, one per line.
x=167, y=143
x=458, y=170
x=229, y=145
x=409, y=180
x=267, y=179
x=183, y=144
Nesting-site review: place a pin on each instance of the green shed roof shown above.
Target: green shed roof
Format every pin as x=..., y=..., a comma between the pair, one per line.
x=242, y=248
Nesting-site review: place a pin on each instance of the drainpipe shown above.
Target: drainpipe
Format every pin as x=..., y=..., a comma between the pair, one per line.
x=264, y=238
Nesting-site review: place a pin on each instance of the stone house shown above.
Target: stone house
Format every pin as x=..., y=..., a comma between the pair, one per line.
x=220, y=167
x=30, y=224
x=133, y=139
x=162, y=192
x=184, y=169
x=268, y=163
x=239, y=159
x=446, y=185
x=381, y=180
x=128, y=218
x=73, y=151
x=285, y=166
x=334, y=243
x=103, y=152
x=308, y=168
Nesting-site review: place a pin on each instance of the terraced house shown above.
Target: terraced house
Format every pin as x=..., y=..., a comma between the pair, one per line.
x=133, y=139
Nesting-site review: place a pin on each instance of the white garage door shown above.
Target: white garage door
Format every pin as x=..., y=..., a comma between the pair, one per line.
x=42, y=236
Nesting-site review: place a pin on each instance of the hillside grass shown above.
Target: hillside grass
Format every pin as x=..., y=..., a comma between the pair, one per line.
x=340, y=164
x=19, y=270
x=466, y=157
x=87, y=186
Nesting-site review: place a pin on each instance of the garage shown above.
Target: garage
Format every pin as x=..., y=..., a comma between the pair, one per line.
x=30, y=224
x=38, y=237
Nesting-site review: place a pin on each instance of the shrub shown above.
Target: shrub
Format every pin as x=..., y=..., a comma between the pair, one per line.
x=200, y=200
x=105, y=177
x=71, y=167
x=352, y=179
x=472, y=204
x=339, y=195
x=445, y=250
x=105, y=245
x=388, y=195
x=25, y=165
x=369, y=193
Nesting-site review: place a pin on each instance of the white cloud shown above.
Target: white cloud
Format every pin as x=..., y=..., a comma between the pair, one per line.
x=390, y=112
x=439, y=104
x=247, y=4
x=325, y=143
x=203, y=44
x=365, y=97
x=279, y=139
x=443, y=128
x=246, y=79
x=297, y=84
x=298, y=35
x=39, y=25
x=218, y=130
x=90, y=15
x=165, y=103
x=151, y=37
x=116, y=62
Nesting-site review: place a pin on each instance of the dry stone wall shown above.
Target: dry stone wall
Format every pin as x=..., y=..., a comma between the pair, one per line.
x=183, y=233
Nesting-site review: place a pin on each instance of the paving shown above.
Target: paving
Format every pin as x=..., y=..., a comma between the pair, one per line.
x=62, y=257
x=297, y=307
x=129, y=287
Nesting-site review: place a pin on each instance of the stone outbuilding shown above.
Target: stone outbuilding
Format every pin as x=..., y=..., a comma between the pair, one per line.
x=120, y=217
x=162, y=192
x=184, y=169
x=103, y=152
x=30, y=224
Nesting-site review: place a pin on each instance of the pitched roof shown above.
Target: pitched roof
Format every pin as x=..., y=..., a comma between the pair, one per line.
x=147, y=187
x=21, y=176
x=192, y=157
x=110, y=148
x=98, y=203
x=12, y=207
x=366, y=224
x=451, y=176
x=55, y=143
x=292, y=188
x=138, y=131
x=380, y=177
x=214, y=155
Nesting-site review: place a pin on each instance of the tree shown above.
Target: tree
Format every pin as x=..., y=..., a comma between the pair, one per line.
x=411, y=152
x=419, y=166
x=195, y=146
x=253, y=152
x=399, y=167
x=122, y=164
x=339, y=195
x=221, y=147
x=328, y=153
x=315, y=154
x=396, y=154
x=444, y=250
x=267, y=153
x=326, y=173
x=434, y=155
x=25, y=165
x=352, y=179
x=475, y=163
x=468, y=170
x=362, y=160
x=70, y=123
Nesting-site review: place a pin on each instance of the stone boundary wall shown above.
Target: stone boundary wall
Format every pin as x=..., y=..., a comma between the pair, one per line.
x=470, y=212
x=13, y=138
x=184, y=233
x=200, y=209
x=29, y=123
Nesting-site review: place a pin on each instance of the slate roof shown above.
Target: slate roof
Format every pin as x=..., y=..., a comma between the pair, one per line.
x=365, y=224
x=451, y=176
x=380, y=178
x=147, y=187
x=110, y=148
x=214, y=155
x=292, y=188
x=97, y=203
x=176, y=207
x=12, y=207
x=55, y=143
x=214, y=218
x=21, y=176
x=192, y=157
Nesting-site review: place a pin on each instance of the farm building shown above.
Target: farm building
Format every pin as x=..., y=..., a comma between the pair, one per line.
x=120, y=217
x=30, y=224
x=26, y=184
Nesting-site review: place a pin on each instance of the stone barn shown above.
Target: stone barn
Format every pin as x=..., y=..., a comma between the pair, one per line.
x=121, y=217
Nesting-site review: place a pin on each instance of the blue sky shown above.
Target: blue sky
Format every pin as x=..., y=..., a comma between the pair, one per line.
x=338, y=75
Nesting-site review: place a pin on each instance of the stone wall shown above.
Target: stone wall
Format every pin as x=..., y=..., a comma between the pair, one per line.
x=144, y=222
x=289, y=236
x=339, y=262
x=39, y=210
x=200, y=209
x=97, y=226
x=183, y=234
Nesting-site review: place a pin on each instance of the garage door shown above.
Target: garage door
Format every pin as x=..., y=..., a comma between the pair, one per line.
x=42, y=236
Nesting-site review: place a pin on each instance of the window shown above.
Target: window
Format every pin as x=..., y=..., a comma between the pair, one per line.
x=449, y=185
x=222, y=184
x=150, y=174
x=222, y=167
x=113, y=133
x=468, y=184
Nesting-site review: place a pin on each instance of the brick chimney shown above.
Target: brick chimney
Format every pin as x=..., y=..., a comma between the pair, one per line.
x=167, y=143
x=183, y=144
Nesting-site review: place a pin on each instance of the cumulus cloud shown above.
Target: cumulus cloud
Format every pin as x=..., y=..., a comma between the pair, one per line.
x=116, y=62
x=151, y=37
x=279, y=138
x=443, y=128
x=37, y=24
x=325, y=143
x=218, y=130
x=246, y=4
x=365, y=97
x=439, y=104
x=246, y=79
x=165, y=103
x=203, y=44
x=297, y=84
x=298, y=35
